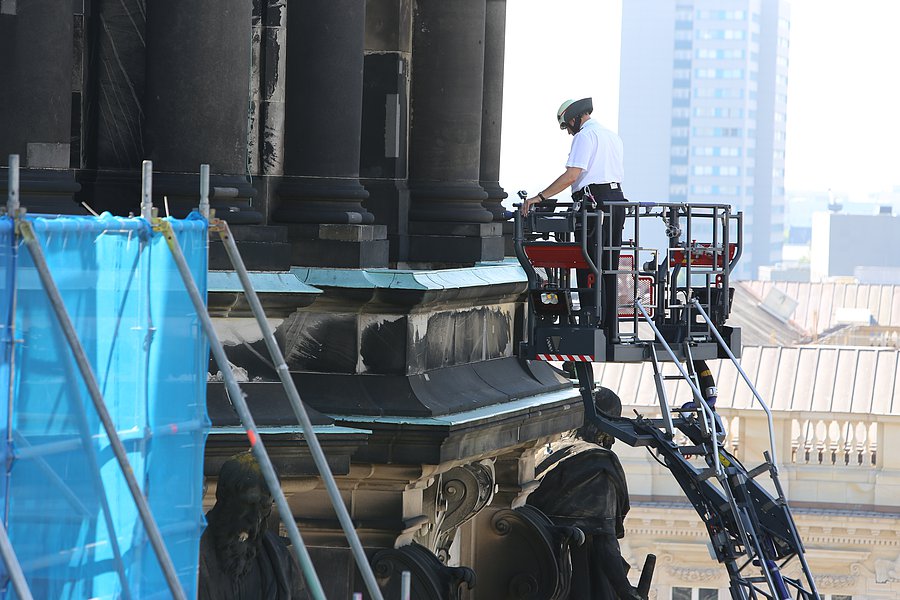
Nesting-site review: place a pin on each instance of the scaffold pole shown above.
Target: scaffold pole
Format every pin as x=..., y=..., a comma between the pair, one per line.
x=240, y=405
x=300, y=411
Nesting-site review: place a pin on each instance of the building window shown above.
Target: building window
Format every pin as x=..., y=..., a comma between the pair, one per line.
x=705, y=92
x=717, y=131
x=719, y=34
x=726, y=190
x=680, y=593
x=683, y=13
x=729, y=171
x=716, y=53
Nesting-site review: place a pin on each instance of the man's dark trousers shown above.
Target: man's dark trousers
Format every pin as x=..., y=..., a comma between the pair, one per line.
x=613, y=223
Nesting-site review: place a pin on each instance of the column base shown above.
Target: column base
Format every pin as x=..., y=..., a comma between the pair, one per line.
x=448, y=202
x=229, y=196
x=335, y=200
x=262, y=248
x=446, y=244
x=341, y=246
x=496, y=196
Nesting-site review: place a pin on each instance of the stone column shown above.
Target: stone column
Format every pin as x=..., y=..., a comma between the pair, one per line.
x=320, y=190
x=446, y=213
x=492, y=106
x=197, y=103
x=36, y=43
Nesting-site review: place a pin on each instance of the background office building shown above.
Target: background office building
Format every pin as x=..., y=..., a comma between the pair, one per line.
x=702, y=110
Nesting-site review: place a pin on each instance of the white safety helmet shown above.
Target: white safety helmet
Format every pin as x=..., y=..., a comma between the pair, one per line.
x=571, y=109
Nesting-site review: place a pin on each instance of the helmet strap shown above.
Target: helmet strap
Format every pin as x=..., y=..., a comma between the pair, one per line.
x=573, y=129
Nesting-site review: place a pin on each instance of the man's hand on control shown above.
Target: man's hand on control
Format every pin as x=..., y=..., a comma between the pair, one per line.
x=529, y=202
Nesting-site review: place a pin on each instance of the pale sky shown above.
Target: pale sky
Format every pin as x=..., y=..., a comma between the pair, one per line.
x=843, y=124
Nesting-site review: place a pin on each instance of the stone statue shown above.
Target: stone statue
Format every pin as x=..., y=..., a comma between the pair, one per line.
x=583, y=485
x=239, y=558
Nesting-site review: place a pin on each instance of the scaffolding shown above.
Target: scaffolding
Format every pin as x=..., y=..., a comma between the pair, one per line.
x=108, y=568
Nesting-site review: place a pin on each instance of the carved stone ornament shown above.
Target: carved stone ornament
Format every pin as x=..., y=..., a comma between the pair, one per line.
x=887, y=571
x=429, y=578
x=691, y=574
x=455, y=497
x=529, y=556
x=830, y=581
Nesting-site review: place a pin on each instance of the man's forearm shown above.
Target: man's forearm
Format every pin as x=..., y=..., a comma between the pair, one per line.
x=559, y=184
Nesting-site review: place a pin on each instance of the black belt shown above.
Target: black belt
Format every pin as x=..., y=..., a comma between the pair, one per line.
x=596, y=188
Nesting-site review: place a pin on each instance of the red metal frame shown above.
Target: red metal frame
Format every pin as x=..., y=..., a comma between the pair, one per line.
x=701, y=256
x=555, y=255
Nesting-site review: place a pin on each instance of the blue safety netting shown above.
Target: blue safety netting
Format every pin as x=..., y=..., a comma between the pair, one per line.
x=71, y=518
x=7, y=272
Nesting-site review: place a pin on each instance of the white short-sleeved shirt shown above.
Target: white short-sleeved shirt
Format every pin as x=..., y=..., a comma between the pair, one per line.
x=598, y=152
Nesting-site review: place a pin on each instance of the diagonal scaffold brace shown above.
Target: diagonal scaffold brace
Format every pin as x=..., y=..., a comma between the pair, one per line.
x=318, y=455
x=239, y=401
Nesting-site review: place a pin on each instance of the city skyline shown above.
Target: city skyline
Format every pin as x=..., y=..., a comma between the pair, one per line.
x=704, y=97
x=841, y=125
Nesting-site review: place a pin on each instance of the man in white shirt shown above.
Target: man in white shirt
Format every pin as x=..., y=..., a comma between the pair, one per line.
x=594, y=170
